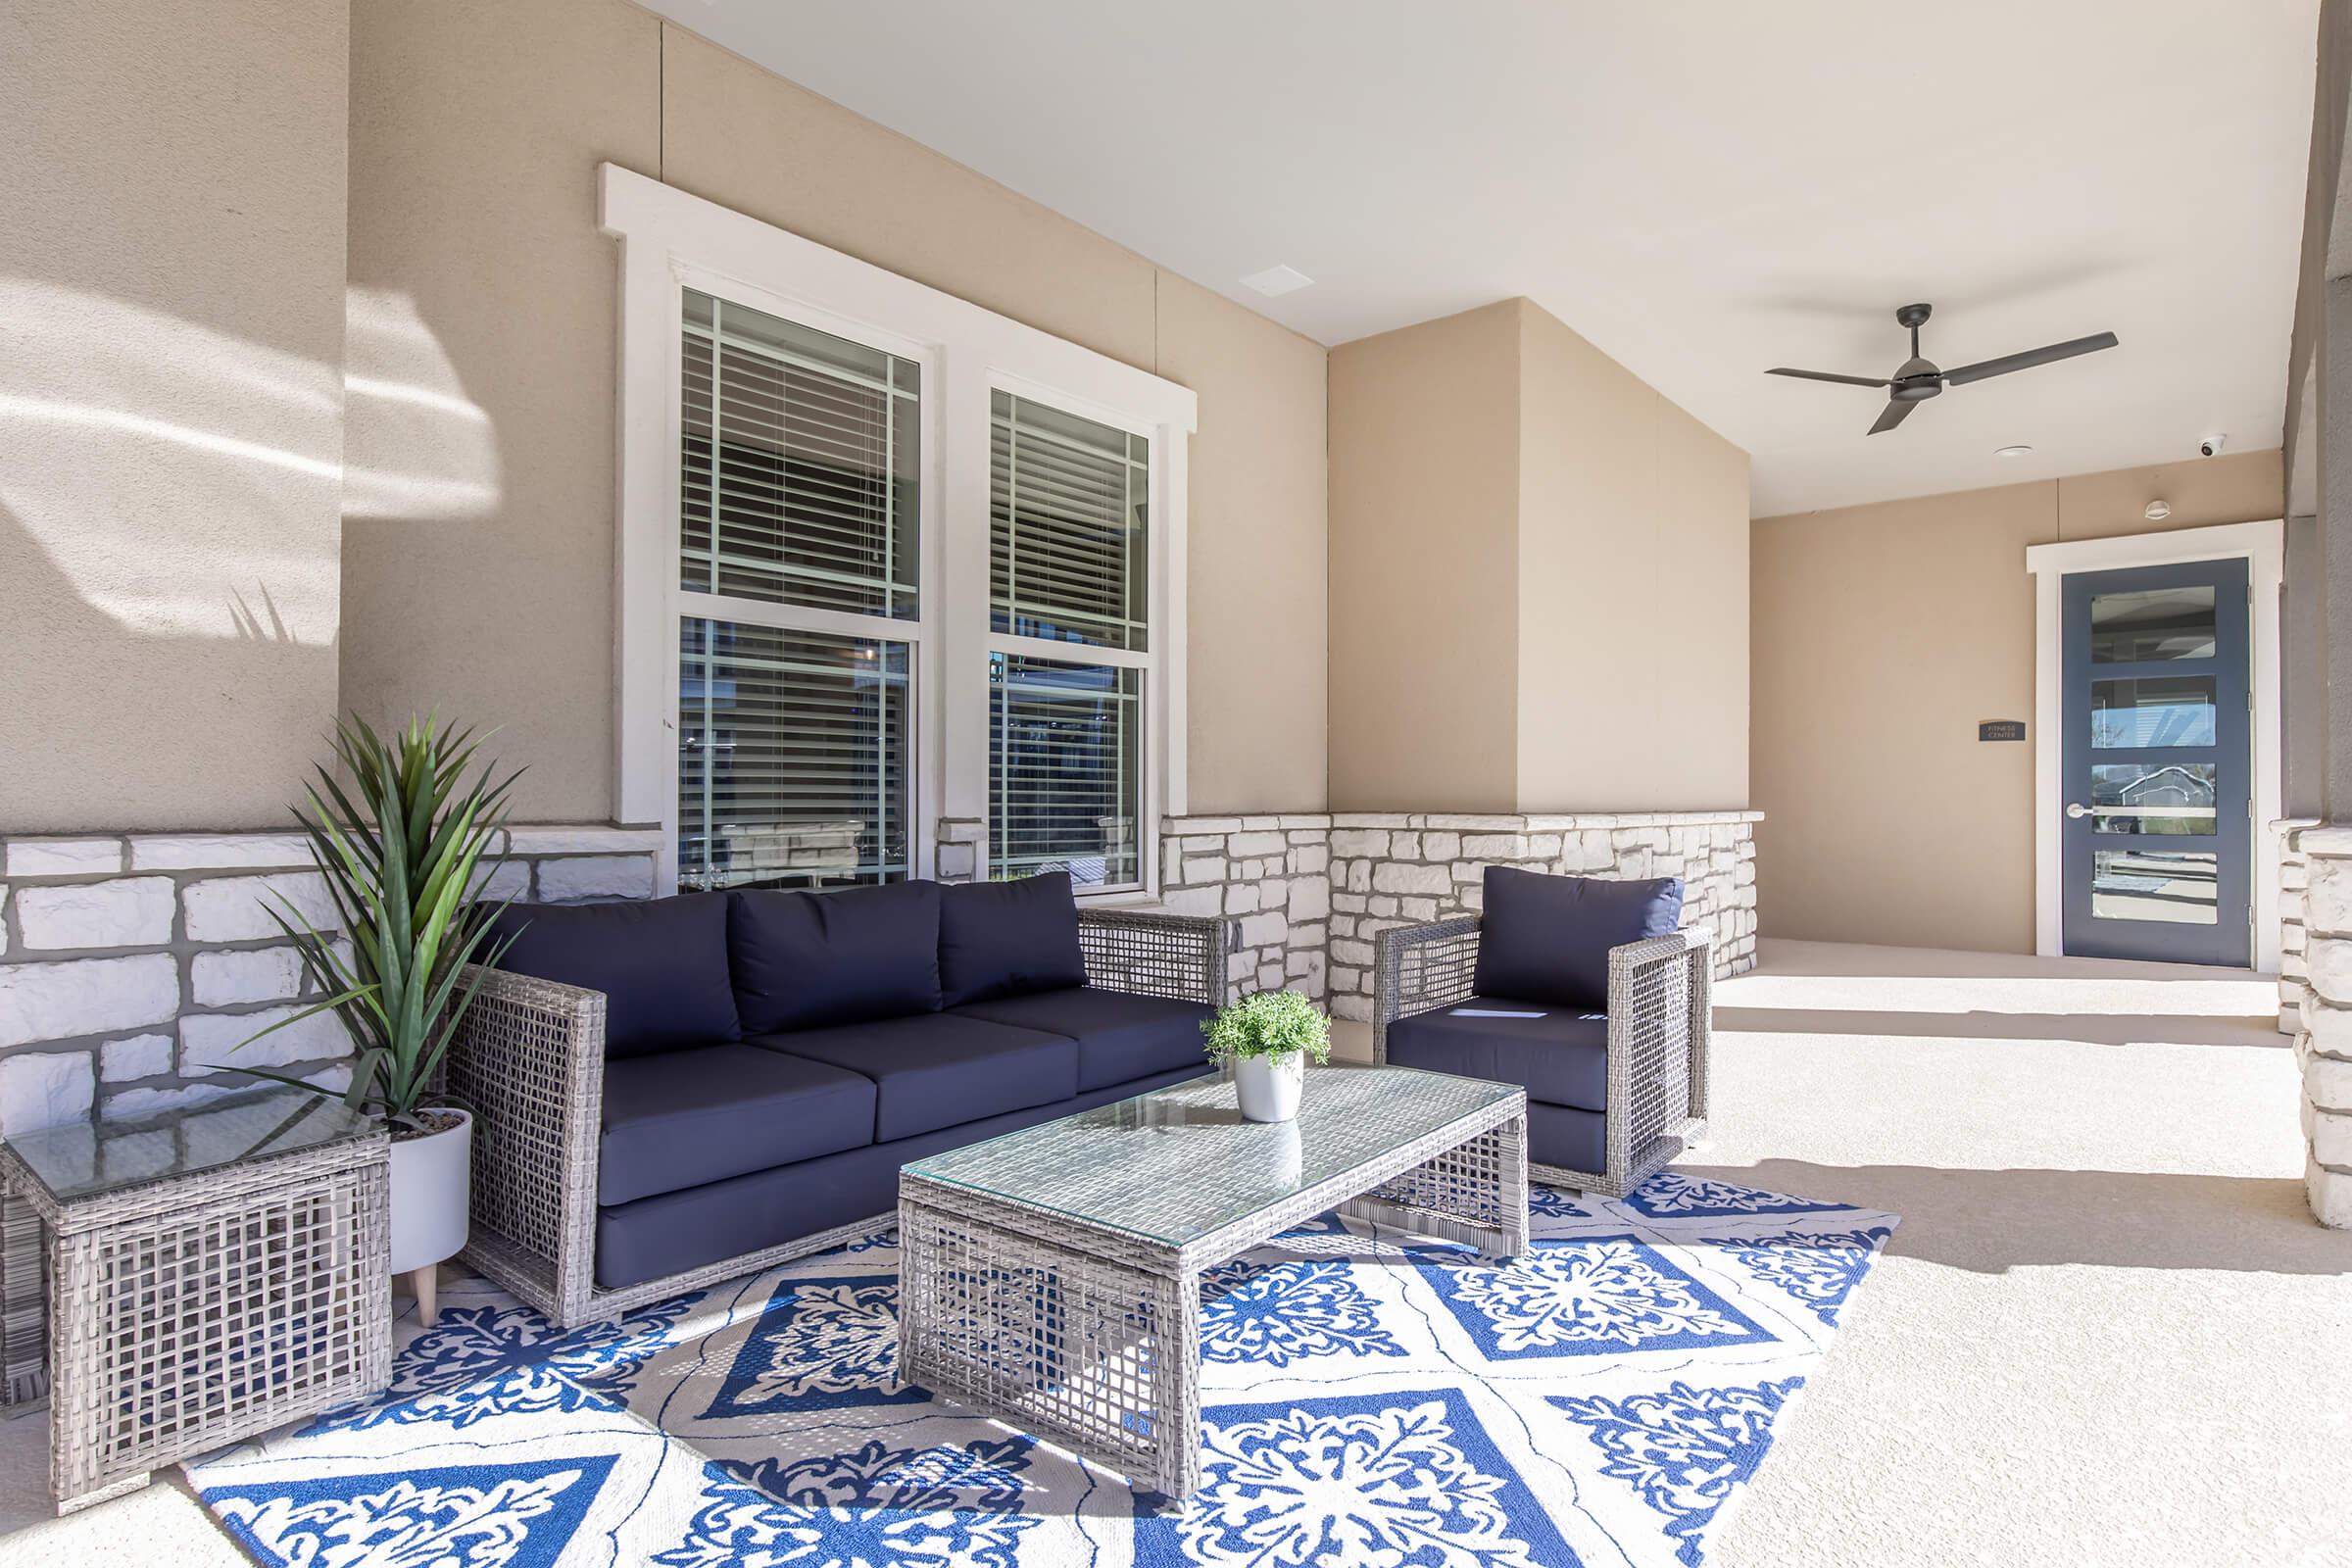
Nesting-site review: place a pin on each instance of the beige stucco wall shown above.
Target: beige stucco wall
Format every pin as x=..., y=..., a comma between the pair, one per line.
x=1424, y=552
x=1881, y=636
x=1539, y=579
x=476, y=133
x=170, y=388
x=1633, y=590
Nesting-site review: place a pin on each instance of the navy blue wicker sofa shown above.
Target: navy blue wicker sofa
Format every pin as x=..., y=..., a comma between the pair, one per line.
x=674, y=1092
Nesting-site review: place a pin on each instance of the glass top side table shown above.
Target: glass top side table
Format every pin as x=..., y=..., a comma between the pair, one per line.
x=212, y=1272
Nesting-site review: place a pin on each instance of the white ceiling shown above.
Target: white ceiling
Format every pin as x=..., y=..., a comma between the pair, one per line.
x=1702, y=189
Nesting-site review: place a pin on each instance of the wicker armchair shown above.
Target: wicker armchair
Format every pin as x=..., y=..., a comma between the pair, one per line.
x=530, y=1064
x=1658, y=1037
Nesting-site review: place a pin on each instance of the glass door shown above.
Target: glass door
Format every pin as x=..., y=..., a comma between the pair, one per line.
x=2157, y=834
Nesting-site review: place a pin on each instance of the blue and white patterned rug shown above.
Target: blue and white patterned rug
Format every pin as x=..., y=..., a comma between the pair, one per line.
x=1369, y=1400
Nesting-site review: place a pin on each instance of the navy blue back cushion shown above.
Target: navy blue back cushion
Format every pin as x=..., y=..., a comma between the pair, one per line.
x=807, y=961
x=1547, y=938
x=662, y=964
x=1007, y=939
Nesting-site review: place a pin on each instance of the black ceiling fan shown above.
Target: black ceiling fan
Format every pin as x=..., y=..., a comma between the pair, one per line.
x=1916, y=380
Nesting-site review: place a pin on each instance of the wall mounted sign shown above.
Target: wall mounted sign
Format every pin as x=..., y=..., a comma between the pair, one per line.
x=2001, y=729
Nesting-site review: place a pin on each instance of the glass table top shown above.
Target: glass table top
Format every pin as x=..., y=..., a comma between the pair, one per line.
x=1178, y=1163
x=89, y=1160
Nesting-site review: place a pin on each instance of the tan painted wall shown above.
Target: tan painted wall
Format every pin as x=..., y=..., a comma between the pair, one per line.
x=1539, y=579
x=171, y=289
x=1881, y=636
x=1633, y=590
x=1424, y=550
x=477, y=134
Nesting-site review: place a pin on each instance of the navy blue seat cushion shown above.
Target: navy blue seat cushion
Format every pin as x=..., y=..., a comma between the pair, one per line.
x=687, y=1117
x=804, y=960
x=1007, y=939
x=1120, y=1034
x=1572, y=1140
x=673, y=1232
x=937, y=1069
x=1559, y=1055
x=1547, y=938
x=662, y=964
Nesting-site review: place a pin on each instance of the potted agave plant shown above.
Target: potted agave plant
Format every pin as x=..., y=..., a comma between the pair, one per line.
x=399, y=847
x=1266, y=1039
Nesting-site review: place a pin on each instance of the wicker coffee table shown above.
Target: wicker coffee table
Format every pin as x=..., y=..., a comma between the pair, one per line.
x=1052, y=1277
x=212, y=1273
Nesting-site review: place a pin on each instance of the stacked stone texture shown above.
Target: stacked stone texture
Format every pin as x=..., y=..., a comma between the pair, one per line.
x=2294, y=876
x=1312, y=894
x=1272, y=876
x=134, y=966
x=2323, y=1037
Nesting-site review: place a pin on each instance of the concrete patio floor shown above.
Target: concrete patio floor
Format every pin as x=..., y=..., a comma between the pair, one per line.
x=2107, y=1332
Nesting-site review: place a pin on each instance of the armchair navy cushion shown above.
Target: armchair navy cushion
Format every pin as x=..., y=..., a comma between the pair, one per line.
x=662, y=964
x=1547, y=938
x=806, y=961
x=1560, y=1056
x=1007, y=939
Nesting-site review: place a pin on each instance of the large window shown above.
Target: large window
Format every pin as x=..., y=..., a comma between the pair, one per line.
x=901, y=580
x=1068, y=560
x=799, y=453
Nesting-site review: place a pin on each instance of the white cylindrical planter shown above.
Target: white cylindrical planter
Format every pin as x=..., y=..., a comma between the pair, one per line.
x=1268, y=1086
x=431, y=1200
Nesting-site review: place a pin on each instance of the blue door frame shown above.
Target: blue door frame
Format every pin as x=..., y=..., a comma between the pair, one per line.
x=2157, y=836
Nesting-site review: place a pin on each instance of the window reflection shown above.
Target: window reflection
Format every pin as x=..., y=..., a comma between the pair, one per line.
x=2155, y=623
x=2142, y=885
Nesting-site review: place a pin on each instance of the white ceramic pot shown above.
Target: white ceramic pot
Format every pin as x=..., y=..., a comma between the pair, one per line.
x=1268, y=1086
x=431, y=1194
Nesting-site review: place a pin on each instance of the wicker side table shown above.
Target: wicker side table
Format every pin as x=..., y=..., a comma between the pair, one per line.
x=212, y=1273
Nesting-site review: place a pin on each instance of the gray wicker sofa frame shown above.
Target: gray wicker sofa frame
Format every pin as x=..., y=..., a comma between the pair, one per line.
x=1660, y=1027
x=530, y=1064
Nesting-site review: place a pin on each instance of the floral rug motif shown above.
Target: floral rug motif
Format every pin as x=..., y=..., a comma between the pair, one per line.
x=1369, y=1398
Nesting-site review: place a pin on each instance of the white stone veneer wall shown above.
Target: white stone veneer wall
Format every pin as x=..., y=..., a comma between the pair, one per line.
x=130, y=965
x=2294, y=875
x=2324, y=1042
x=1309, y=893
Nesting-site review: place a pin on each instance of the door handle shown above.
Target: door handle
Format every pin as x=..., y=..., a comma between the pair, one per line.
x=2076, y=811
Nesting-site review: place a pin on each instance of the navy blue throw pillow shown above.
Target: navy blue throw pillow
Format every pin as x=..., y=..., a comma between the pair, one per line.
x=805, y=960
x=662, y=964
x=1007, y=939
x=1547, y=938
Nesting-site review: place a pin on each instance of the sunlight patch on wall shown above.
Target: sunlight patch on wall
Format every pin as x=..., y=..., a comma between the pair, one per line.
x=159, y=468
x=416, y=447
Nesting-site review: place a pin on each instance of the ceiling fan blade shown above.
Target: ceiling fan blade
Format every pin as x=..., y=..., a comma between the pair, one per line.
x=1897, y=411
x=1824, y=376
x=2029, y=359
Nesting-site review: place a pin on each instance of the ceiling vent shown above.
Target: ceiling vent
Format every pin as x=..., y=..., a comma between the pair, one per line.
x=1276, y=282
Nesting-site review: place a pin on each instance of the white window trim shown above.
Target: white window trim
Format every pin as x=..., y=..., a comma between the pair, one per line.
x=670, y=240
x=2262, y=545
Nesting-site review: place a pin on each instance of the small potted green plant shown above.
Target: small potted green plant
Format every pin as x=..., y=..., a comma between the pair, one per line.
x=1266, y=1039
x=399, y=837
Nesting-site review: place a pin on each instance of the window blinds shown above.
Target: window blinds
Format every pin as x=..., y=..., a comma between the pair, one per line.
x=1063, y=773
x=1068, y=501
x=792, y=756
x=798, y=464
